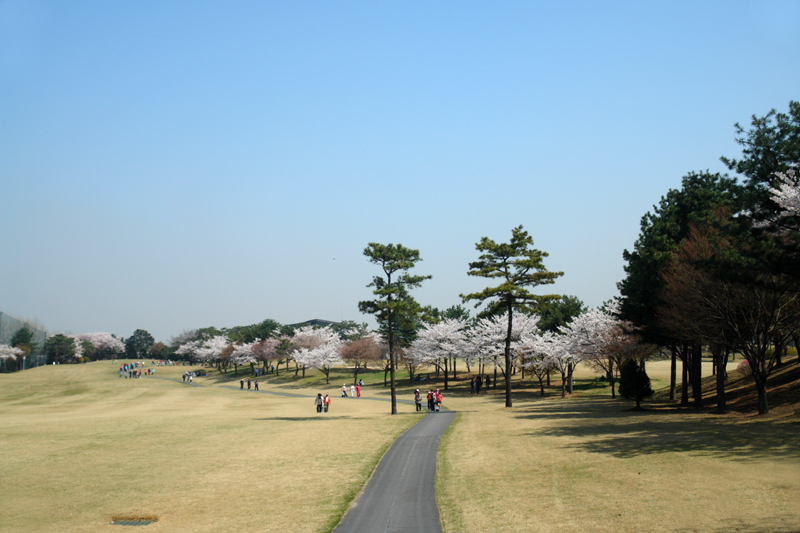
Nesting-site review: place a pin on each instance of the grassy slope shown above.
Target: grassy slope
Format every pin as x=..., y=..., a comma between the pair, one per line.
x=589, y=463
x=81, y=445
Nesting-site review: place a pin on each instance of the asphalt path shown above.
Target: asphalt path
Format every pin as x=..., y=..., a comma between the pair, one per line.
x=400, y=496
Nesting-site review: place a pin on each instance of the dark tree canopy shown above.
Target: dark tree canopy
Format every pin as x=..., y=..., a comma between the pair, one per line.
x=138, y=344
x=661, y=233
x=59, y=349
x=558, y=313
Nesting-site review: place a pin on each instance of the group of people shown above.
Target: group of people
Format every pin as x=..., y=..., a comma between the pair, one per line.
x=322, y=403
x=476, y=383
x=355, y=390
x=134, y=370
x=241, y=384
x=434, y=400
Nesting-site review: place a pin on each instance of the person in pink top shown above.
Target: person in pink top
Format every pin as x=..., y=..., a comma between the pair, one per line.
x=358, y=391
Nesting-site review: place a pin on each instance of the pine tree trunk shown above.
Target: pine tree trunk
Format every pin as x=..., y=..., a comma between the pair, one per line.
x=719, y=365
x=672, y=372
x=697, y=374
x=685, y=379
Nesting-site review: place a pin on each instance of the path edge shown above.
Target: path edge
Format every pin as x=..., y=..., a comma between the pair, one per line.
x=440, y=486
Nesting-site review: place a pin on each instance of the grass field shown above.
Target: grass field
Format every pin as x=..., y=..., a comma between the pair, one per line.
x=82, y=446
x=589, y=463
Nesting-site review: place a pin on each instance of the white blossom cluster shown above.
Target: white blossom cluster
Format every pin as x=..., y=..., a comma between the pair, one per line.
x=102, y=340
x=787, y=194
x=10, y=352
x=317, y=348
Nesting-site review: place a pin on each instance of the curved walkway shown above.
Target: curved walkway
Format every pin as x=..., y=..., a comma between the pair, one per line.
x=400, y=496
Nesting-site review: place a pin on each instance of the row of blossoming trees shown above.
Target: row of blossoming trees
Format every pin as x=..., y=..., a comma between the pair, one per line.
x=596, y=338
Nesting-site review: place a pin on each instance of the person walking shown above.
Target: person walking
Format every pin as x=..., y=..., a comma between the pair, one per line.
x=439, y=399
x=430, y=401
x=248, y=383
x=326, y=401
x=418, y=400
x=241, y=384
x=478, y=384
x=344, y=390
x=472, y=386
x=318, y=402
x=256, y=384
x=358, y=391
x=352, y=391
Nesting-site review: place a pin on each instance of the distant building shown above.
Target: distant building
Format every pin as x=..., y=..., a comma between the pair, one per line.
x=314, y=322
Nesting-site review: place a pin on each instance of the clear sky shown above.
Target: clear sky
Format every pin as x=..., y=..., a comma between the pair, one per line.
x=175, y=165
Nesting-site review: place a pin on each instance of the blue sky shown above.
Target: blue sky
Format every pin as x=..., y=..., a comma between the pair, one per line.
x=175, y=165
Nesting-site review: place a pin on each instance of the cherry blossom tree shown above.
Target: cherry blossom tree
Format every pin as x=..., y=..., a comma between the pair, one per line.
x=437, y=343
x=534, y=350
x=585, y=336
x=361, y=351
x=9, y=352
x=242, y=354
x=189, y=349
x=558, y=355
x=265, y=351
x=319, y=348
x=105, y=344
x=217, y=350
x=490, y=336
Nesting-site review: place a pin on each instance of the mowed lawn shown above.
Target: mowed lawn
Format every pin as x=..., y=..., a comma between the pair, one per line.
x=81, y=446
x=590, y=464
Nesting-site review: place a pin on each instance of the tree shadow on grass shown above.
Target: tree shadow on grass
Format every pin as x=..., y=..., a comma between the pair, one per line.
x=312, y=416
x=602, y=427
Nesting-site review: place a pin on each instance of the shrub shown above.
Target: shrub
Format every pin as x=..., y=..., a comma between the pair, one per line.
x=744, y=369
x=634, y=384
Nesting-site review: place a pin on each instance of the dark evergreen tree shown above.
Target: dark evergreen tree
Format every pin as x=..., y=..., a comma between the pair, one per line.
x=634, y=383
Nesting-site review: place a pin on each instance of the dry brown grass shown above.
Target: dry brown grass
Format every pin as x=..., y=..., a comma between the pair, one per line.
x=82, y=446
x=592, y=464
